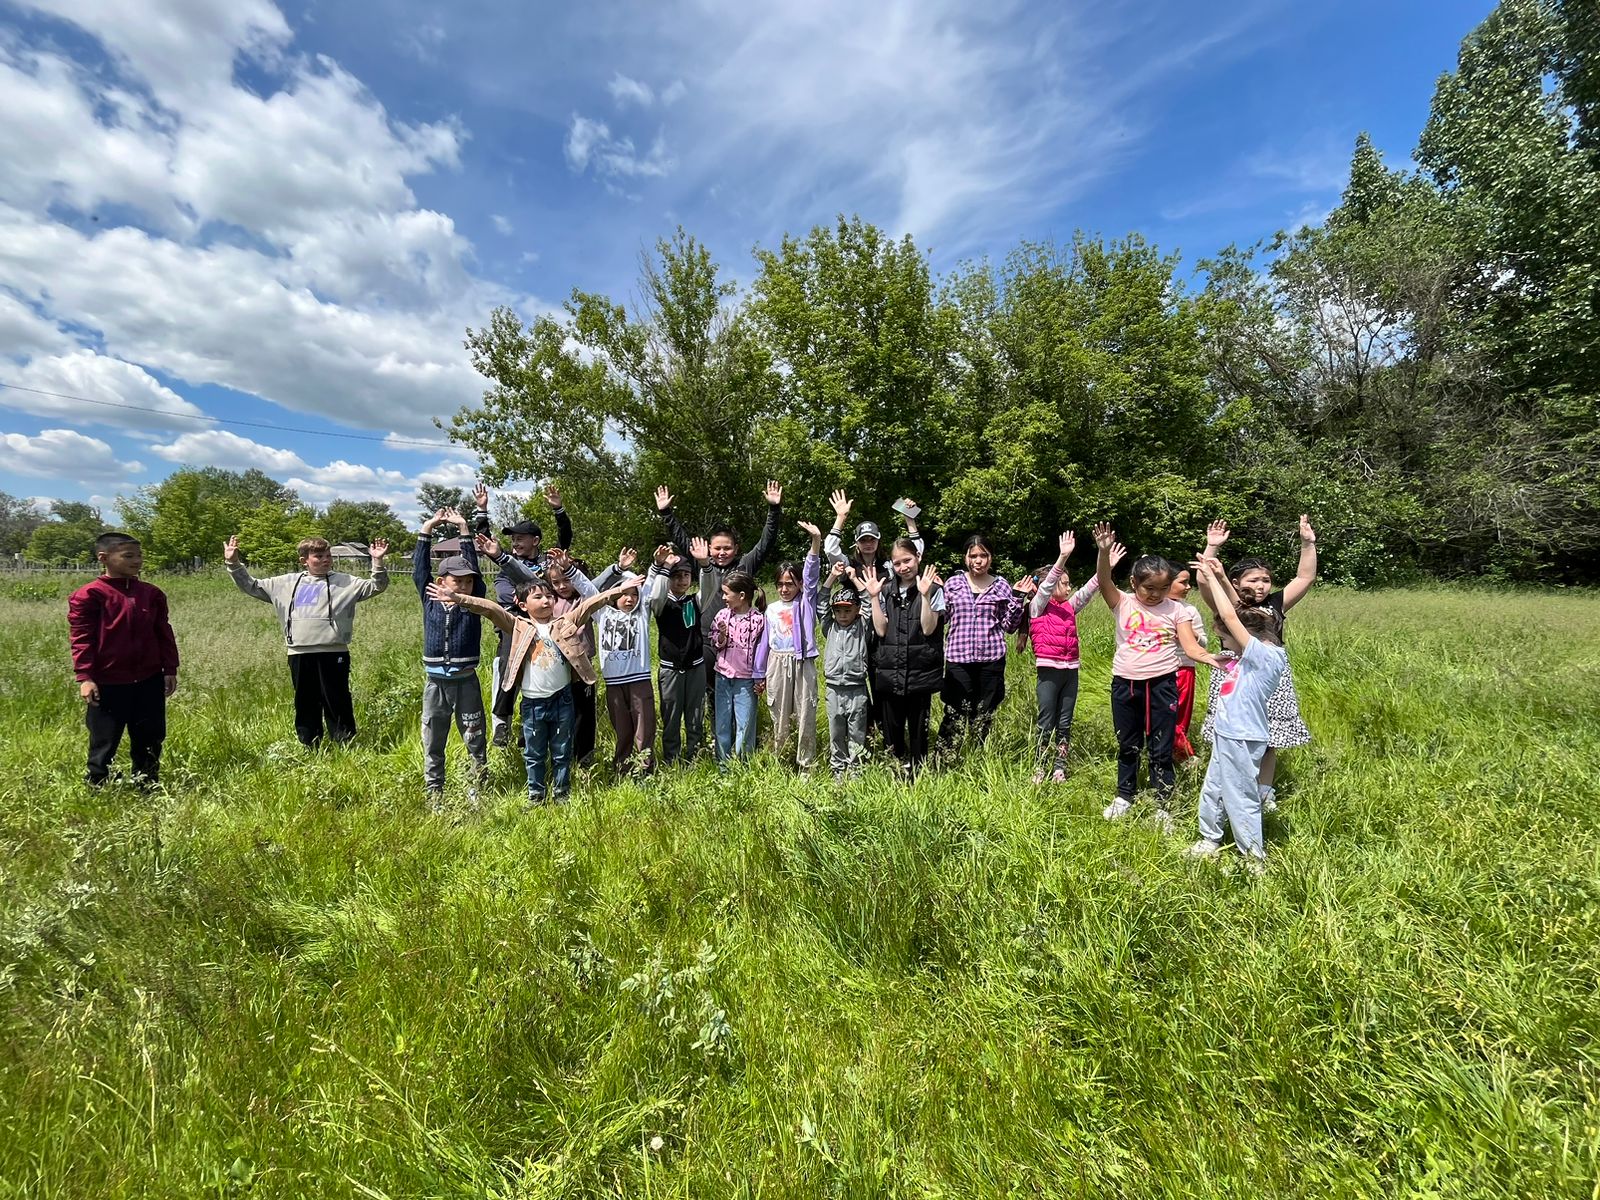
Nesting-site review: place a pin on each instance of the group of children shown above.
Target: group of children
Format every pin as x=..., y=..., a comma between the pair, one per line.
x=890, y=632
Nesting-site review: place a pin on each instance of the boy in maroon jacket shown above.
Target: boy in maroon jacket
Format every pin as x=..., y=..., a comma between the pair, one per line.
x=125, y=659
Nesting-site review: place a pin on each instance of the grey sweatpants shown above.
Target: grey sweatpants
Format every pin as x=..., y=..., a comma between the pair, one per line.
x=442, y=699
x=683, y=702
x=848, y=711
x=792, y=700
x=1230, y=788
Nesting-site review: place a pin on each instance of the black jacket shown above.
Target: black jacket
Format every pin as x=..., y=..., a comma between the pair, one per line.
x=750, y=563
x=908, y=661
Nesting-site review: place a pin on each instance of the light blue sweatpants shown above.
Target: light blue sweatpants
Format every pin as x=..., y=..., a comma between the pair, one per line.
x=1230, y=788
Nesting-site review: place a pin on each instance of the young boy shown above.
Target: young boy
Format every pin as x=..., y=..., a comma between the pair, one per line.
x=681, y=677
x=125, y=659
x=844, y=657
x=545, y=653
x=451, y=642
x=316, y=609
x=1240, y=730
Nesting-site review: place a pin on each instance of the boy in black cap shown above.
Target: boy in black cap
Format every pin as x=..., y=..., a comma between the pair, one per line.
x=451, y=638
x=844, y=650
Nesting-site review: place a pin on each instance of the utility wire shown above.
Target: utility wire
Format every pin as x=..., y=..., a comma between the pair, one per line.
x=161, y=412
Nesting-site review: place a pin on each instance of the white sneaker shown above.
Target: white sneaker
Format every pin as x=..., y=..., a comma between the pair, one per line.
x=1164, y=821
x=1269, y=799
x=1116, y=808
x=1256, y=866
x=1204, y=848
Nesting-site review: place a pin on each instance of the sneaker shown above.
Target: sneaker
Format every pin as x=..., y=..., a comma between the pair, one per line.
x=1164, y=821
x=1038, y=777
x=1058, y=776
x=435, y=800
x=1255, y=866
x=1269, y=799
x=1116, y=808
x=1204, y=848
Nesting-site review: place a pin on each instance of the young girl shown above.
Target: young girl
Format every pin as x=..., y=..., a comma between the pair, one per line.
x=980, y=609
x=1249, y=585
x=681, y=676
x=792, y=652
x=622, y=633
x=908, y=617
x=569, y=579
x=739, y=637
x=1053, y=616
x=1151, y=630
x=1182, y=749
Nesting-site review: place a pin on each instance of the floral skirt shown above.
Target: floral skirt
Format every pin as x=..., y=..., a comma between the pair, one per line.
x=1284, y=726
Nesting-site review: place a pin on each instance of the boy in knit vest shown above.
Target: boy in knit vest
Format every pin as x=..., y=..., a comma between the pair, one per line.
x=316, y=608
x=451, y=642
x=677, y=604
x=125, y=659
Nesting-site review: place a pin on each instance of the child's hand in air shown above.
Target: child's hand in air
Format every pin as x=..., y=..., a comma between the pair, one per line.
x=1216, y=534
x=1067, y=543
x=626, y=557
x=1118, y=553
x=774, y=492
x=552, y=496
x=663, y=499
x=835, y=572
x=480, y=495
x=700, y=550
x=230, y=553
x=810, y=528
x=662, y=556
x=928, y=580
x=1026, y=586
x=1307, y=534
x=1104, y=536
x=486, y=545
x=443, y=594
x=841, y=507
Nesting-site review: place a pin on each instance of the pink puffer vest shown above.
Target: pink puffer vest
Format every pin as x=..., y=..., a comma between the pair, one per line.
x=1054, y=632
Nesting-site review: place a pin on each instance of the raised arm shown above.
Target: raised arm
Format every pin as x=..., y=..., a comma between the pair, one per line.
x=481, y=606
x=930, y=585
x=365, y=589
x=769, y=532
x=589, y=605
x=1306, y=574
x=422, y=555
x=1105, y=537
x=912, y=531
x=1207, y=576
x=675, y=530
x=240, y=574
x=873, y=587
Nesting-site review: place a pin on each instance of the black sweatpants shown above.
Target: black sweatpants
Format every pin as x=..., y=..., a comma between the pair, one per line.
x=972, y=693
x=322, y=690
x=140, y=709
x=905, y=725
x=1144, y=712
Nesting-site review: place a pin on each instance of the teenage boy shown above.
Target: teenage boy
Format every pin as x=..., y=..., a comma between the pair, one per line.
x=681, y=677
x=1240, y=725
x=316, y=608
x=844, y=657
x=125, y=659
x=722, y=546
x=451, y=641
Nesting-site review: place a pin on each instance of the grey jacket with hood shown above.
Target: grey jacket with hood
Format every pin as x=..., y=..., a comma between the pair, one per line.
x=325, y=626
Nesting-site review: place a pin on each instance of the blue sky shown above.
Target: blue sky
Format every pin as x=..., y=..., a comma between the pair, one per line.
x=287, y=216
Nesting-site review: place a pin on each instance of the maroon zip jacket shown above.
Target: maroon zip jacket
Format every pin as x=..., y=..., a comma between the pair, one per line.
x=120, y=632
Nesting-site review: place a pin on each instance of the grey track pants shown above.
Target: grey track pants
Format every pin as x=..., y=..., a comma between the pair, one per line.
x=462, y=699
x=848, y=714
x=683, y=703
x=1230, y=788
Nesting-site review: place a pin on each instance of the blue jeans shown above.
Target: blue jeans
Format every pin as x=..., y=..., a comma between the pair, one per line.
x=736, y=718
x=547, y=730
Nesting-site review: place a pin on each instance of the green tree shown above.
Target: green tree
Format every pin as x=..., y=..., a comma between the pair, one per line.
x=271, y=531
x=365, y=521
x=19, y=517
x=67, y=537
x=433, y=496
x=187, y=516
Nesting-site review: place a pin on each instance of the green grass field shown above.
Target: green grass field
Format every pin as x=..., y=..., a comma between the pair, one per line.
x=280, y=977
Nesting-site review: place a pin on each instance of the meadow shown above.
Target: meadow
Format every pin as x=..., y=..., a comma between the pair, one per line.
x=279, y=976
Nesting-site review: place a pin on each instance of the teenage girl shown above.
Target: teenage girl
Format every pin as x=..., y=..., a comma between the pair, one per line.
x=1151, y=630
x=792, y=652
x=622, y=633
x=980, y=609
x=1249, y=583
x=739, y=637
x=1053, y=621
x=908, y=617
x=1182, y=749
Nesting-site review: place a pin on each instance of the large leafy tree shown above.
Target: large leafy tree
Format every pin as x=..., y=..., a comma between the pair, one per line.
x=67, y=537
x=364, y=521
x=19, y=517
x=187, y=516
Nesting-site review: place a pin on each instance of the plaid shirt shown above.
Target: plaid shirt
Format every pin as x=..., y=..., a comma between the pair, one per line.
x=976, y=626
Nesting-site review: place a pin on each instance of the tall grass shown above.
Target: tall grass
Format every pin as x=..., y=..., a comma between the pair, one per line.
x=279, y=977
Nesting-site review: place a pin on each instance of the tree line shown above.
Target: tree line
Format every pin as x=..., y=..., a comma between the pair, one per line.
x=1420, y=370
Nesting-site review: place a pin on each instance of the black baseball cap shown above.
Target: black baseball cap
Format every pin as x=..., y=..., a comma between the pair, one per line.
x=530, y=528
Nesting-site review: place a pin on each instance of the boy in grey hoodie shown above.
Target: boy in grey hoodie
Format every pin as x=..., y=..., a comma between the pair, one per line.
x=316, y=609
x=844, y=670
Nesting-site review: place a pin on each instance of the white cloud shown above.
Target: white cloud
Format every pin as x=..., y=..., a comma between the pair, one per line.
x=76, y=380
x=65, y=454
x=590, y=144
x=220, y=448
x=502, y=225
x=627, y=91
x=672, y=93
x=24, y=332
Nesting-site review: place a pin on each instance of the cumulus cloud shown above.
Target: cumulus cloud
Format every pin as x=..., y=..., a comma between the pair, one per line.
x=23, y=332
x=502, y=224
x=591, y=146
x=95, y=389
x=64, y=453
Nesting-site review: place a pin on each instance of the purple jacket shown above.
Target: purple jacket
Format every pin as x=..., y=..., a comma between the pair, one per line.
x=806, y=605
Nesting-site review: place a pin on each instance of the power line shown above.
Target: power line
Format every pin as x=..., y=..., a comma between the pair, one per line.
x=161, y=412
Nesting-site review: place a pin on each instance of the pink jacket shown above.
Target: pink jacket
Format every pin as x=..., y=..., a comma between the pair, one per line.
x=1053, y=624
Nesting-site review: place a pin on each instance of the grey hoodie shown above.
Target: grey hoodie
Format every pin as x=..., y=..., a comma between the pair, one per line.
x=326, y=624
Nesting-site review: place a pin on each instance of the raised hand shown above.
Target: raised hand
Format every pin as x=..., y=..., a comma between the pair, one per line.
x=1307, y=534
x=774, y=492
x=928, y=580
x=626, y=557
x=443, y=594
x=870, y=584
x=1217, y=533
x=662, y=556
x=841, y=507
x=552, y=496
x=230, y=555
x=1104, y=536
x=453, y=515
x=1067, y=542
x=1118, y=553
x=378, y=549
x=810, y=528
x=1026, y=586
x=480, y=495
x=673, y=559
x=486, y=545
x=700, y=550
x=835, y=572
x=663, y=499
x=558, y=559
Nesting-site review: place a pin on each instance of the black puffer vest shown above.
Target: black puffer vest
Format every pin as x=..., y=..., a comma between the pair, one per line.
x=908, y=660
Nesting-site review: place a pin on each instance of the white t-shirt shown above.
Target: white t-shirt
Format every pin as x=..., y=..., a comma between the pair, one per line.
x=546, y=672
x=780, y=625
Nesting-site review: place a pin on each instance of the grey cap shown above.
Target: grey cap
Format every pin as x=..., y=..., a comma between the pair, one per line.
x=456, y=565
x=868, y=529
